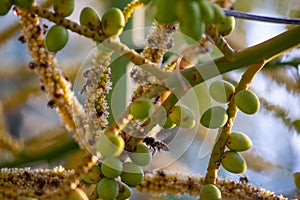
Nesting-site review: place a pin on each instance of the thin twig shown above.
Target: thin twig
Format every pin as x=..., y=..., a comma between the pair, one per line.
x=278, y=20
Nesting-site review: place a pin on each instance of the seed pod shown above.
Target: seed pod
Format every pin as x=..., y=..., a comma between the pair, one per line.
x=221, y=91
x=247, y=102
x=182, y=116
x=189, y=14
x=56, y=38
x=111, y=167
x=166, y=11
x=214, y=117
x=226, y=26
x=110, y=145
x=219, y=14
x=76, y=194
x=233, y=162
x=141, y=108
x=124, y=191
x=207, y=11
x=239, y=142
x=5, y=6
x=141, y=156
x=210, y=192
x=113, y=22
x=107, y=188
x=90, y=18
x=93, y=176
x=23, y=3
x=132, y=174
x=63, y=8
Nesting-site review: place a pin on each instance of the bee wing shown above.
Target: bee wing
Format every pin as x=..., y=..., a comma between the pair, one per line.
x=165, y=147
x=167, y=135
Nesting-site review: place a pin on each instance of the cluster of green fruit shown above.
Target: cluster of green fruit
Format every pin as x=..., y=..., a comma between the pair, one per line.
x=216, y=117
x=180, y=115
x=232, y=161
x=111, y=24
x=193, y=16
x=113, y=176
x=5, y=5
x=222, y=91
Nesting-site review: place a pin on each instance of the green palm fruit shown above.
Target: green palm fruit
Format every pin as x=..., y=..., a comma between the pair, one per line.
x=182, y=116
x=226, y=26
x=233, y=162
x=113, y=22
x=141, y=108
x=23, y=3
x=110, y=145
x=93, y=176
x=297, y=179
x=207, y=11
x=221, y=91
x=214, y=117
x=57, y=37
x=189, y=14
x=5, y=6
x=239, y=142
x=124, y=191
x=107, y=189
x=111, y=167
x=166, y=11
x=219, y=13
x=168, y=123
x=132, y=174
x=141, y=156
x=210, y=192
x=247, y=102
x=63, y=8
x=90, y=18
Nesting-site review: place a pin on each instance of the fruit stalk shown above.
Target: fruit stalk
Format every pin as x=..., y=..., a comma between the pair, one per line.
x=218, y=149
x=73, y=26
x=220, y=42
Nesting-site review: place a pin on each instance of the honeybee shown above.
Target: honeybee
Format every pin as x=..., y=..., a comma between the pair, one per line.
x=244, y=180
x=155, y=144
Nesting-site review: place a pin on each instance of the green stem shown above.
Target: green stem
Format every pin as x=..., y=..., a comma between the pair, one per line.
x=220, y=42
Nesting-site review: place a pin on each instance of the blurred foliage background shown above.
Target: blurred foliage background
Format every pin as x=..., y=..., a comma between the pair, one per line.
x=274, y=158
